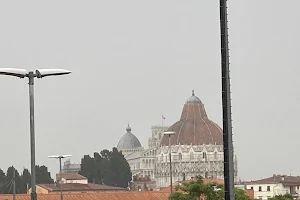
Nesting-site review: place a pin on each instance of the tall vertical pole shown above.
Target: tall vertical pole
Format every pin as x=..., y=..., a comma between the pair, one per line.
x=14, y=184
x=31, y=76
x=60, y=180
x=226, y=102
x=171, y=184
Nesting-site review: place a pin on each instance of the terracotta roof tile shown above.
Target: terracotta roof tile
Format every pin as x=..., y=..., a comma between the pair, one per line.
x=96, y=196
x=71, y=176
x=286, y=180
x=194, y=127
x=79, y=187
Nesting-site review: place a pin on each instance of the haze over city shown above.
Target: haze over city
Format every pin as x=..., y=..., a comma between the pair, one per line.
x=133, y=61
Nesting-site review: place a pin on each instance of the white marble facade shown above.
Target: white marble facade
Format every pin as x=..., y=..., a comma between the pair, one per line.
x=197, y=148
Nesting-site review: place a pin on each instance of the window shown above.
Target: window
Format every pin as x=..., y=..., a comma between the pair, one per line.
x=180, y=156
x=259, y=188
x=268, y=188
x=204, y=154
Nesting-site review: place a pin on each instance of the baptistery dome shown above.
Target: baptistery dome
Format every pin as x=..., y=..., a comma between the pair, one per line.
x=129, y=141
x=194, y=127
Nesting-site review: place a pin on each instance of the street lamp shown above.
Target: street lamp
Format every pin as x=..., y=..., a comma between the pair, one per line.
x=39, y=73
x=170, y=133
x=59, y=158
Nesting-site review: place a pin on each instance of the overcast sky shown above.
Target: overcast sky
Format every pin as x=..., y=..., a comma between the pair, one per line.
x=134, y=60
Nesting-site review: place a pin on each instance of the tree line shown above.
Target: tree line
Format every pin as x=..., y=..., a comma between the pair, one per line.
x=23, y=180
x=107, y=168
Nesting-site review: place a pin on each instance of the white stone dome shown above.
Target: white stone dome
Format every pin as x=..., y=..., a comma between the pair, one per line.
x=129, y=141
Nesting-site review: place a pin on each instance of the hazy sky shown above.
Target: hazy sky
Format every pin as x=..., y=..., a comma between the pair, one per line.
x=134, y=60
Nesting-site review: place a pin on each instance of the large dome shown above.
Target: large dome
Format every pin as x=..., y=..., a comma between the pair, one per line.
x=128, y=141
x=194, y=127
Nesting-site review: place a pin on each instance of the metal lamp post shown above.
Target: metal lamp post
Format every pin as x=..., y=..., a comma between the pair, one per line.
x=170, y=133
x=40, y=73
x=226, y=106
x=59, y=158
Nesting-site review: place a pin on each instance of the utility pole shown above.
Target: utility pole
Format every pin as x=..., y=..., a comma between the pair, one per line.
x=226, y=105
x=170, y=133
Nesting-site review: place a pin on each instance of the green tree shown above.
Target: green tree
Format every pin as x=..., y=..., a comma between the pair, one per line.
x=42, y=175
x=120, y=168
x=2, y=180
x=108, y=167
x=194, y=189
x=9, y=181
x=87, y=168
x=25, y=181
x=282, y=197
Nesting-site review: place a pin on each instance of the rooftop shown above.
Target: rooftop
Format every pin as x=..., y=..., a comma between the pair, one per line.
x=194, y=127
x=71, y=176
x=93, y=196
x=275, y=179
x=79, y=187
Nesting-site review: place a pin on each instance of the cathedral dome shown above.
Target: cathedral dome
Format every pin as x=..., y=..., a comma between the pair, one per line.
x=194, y=127
x=128, y=141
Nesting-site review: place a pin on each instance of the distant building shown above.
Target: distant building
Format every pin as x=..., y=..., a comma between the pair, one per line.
x=68, y=167
x=196, y=148
x=73, y=183
x=72, y=178
x=274, y=185
x=157, y=134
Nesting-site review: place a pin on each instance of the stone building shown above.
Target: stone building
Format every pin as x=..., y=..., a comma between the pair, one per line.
x=196, y=148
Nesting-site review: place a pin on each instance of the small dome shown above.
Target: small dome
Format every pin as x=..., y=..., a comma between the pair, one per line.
x=128, y=141
x=193, y=99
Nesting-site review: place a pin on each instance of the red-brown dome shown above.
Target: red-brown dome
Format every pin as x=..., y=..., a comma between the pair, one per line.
x=194, y=127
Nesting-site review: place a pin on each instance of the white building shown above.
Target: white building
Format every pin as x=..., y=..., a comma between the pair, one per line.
x=70, y=167
x=197, y=148
x=72, y=178
x=274, y=185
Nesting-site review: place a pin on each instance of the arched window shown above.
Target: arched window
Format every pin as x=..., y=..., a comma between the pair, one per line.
x=180, y=156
